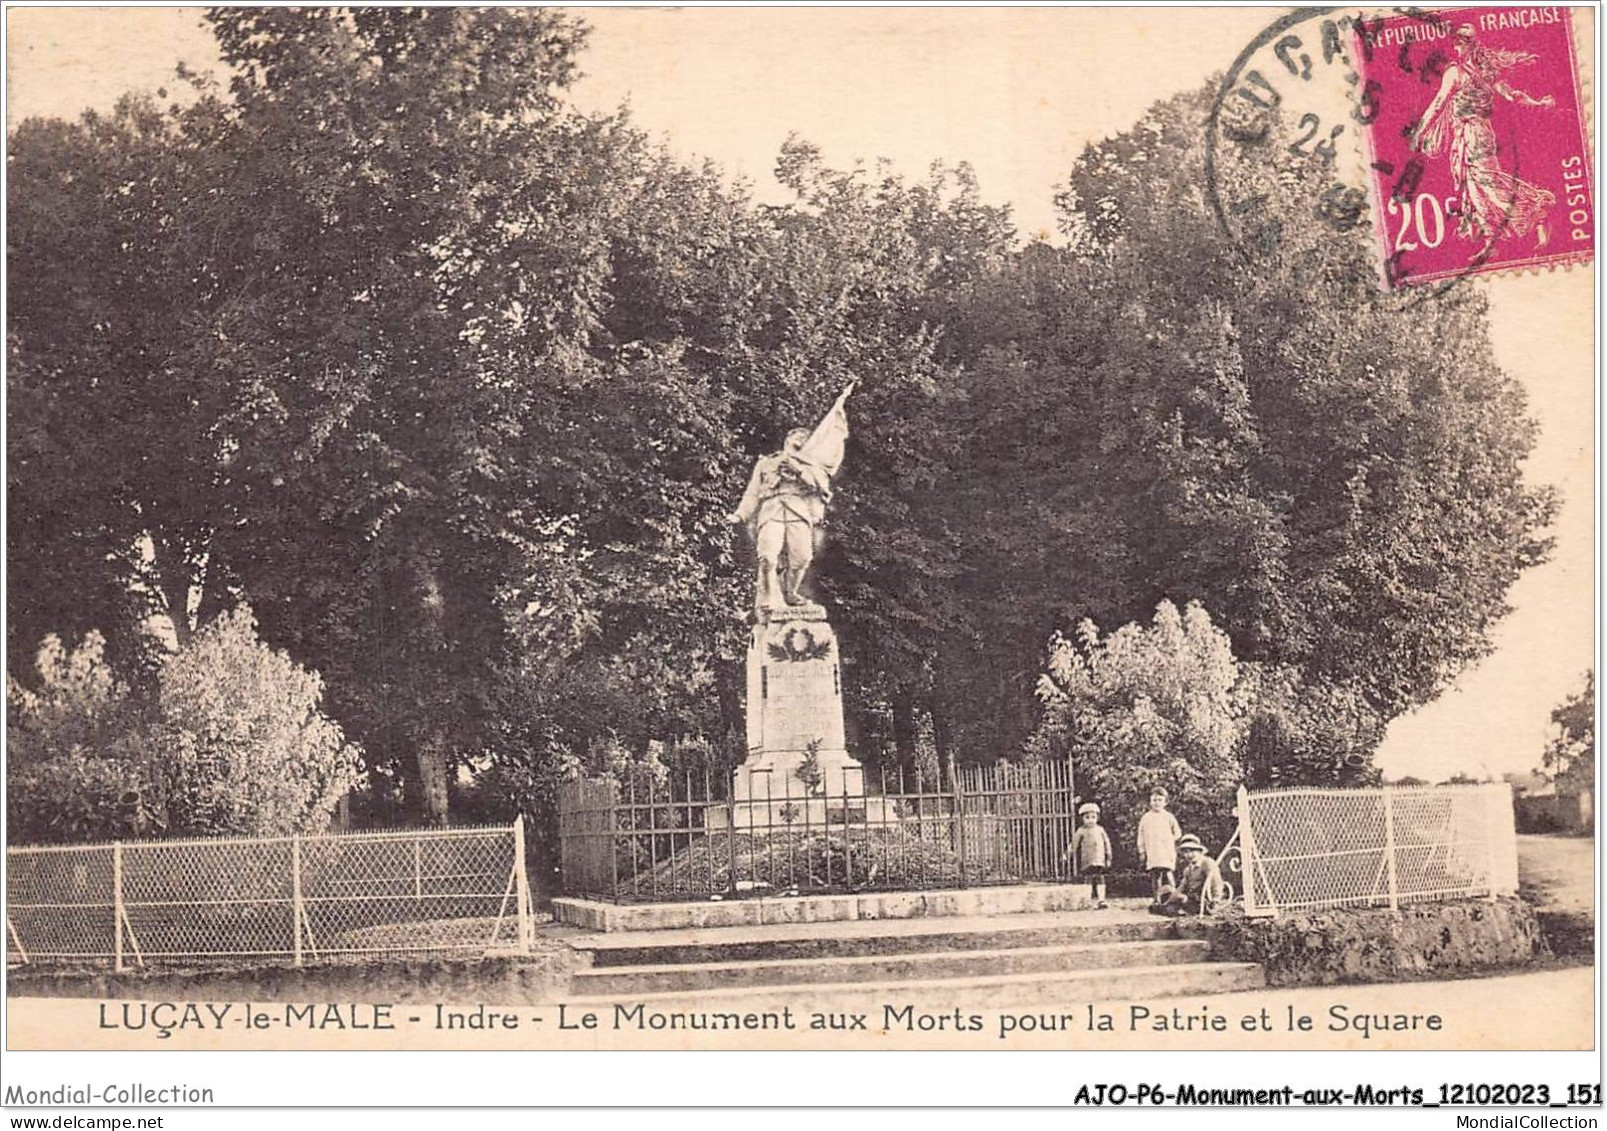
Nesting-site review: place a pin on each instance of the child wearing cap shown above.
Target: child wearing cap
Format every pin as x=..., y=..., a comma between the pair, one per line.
x=1090, y=848
x=1199, y=886
x=1158, y=832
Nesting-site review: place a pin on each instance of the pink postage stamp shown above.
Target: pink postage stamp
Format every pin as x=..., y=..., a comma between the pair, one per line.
x=1479, y=150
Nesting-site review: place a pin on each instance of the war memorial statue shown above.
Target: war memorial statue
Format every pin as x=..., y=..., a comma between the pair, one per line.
x=798, y=770
x=785, y=505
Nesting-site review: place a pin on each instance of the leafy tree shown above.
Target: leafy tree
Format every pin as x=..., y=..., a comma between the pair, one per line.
x=118, y=450
x=246, y=747
x=233, y=740
x=394, y=331
x=410, y=193
x=451, y=384
x=78, y=766
x=1307, y=733
x=1570, y=757
x=1161, y=411
x=1332, y=467
x=1147, y=706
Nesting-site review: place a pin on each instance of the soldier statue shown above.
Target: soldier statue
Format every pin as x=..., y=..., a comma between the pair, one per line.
x=785, y=505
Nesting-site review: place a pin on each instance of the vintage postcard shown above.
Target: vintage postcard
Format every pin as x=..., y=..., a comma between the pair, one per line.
x=579, y=529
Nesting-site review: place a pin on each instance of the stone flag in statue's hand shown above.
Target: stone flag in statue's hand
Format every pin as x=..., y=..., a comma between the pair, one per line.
x=824, y=448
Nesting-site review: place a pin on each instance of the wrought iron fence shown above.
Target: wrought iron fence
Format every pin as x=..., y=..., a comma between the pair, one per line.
x=441, y=891
x=1314, y=848
x=681, y=836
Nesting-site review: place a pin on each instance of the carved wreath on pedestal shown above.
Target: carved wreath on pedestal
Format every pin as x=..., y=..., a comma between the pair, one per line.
x=797, y=643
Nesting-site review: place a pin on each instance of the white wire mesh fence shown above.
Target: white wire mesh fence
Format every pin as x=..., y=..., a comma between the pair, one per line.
x=1312, y=848
x=435, y=891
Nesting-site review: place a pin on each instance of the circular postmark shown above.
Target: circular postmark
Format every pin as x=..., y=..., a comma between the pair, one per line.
x=1280, y=92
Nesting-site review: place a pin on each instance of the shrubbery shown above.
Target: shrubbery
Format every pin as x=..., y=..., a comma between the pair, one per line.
x=231, y=739
x=78, y=759
x=1147, y=706
x=1379, y=945
x=1169, y=704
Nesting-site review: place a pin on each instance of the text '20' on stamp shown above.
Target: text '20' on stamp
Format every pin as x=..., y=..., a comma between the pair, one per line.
x=1479, y=153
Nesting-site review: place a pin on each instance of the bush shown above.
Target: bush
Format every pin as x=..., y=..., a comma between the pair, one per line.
x=78, y=764
x=1378, y=945
x=1146, y=706
x=247, y=748
x=232, y=740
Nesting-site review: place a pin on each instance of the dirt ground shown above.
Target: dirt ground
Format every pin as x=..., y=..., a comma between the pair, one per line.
x=1557, y=875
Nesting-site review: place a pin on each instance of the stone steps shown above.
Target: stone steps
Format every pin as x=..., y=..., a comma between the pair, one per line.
x=782, y=910
x=1039, y=989
x=1055, y=960
x=786, y=941
x=669, y=978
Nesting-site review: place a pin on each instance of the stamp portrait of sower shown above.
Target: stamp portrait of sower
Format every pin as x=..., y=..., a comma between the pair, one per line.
x=1496, y=204
x=1478, y=143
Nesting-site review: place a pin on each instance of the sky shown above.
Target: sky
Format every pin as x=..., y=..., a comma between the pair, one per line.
x=1017, y=93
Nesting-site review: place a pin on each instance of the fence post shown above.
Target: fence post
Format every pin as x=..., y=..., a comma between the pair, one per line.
x=959, y=817
x=1070, y=829
x=117, y=905
x=16, y=939
x=1389, y=848
x=614, y=827
x=1246, y=851
x=296, y=911
x=1249, y=853
x=521, y=884
x=731, y=827
x=1492, y=795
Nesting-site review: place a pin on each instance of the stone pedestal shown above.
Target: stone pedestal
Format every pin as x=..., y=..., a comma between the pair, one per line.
x=794, y=699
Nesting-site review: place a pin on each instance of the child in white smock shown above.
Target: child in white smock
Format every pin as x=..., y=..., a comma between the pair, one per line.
x=1158, y=833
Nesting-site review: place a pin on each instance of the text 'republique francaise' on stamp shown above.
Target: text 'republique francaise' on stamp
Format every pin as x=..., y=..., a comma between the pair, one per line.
x=1478, y=148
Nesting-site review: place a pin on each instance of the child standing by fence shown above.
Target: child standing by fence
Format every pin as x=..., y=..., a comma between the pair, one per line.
x=1158, y=833
x=1090, y=849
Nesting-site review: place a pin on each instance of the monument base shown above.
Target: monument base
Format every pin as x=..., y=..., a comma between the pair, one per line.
x=770, y=791
x=795, y=706
x=800, y=815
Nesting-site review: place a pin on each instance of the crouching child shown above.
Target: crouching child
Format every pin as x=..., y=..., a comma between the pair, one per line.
x=1200, y=889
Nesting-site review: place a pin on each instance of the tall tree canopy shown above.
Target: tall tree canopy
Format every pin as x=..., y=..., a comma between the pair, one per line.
x=1162, y=412
x=452, y=384
x=1570, y=756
